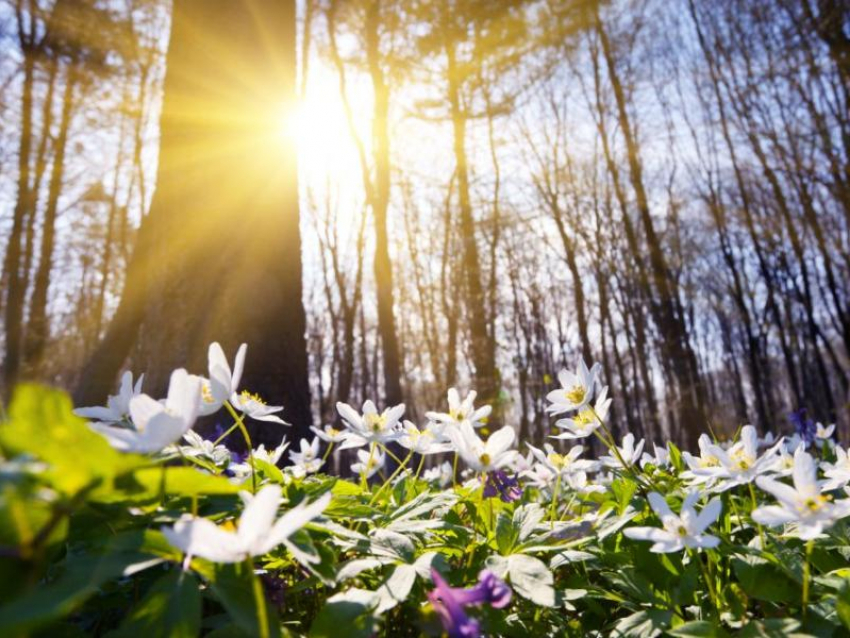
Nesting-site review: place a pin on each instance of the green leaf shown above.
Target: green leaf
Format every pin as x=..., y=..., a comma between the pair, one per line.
x=269, y=471
x=842, y=605
x=81, y=577
x=699, y=629
x=172, y=607
x=233, y=587
x=771, y=628
x=185, y=481
x=623, y=489
x=532, y=579
x=392, y=545
x=644, y=624
x=675, y=457
x=396, y=588
x=41, y=423
x=349, y=614
x=762, y=581
x=506, y=534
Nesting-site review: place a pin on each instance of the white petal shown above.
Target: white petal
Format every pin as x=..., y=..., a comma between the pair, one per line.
x=349, y=415
x=500, y=441
x=238, y=367
x=772, y=515
x=258, y=517
x=201, y=537
x=97, y=413
x=708, y=515
x=143, y=409
x=659, y=505
x=295, y=519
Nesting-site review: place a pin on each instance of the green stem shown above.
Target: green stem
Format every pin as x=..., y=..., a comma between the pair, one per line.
x=755, y=505
x=807, y=569
x=419, y=468
x=259, y=600
x=390, y=480
x=611, y=444
x=241, y=425
x=226, y=434
x=328, y=451
x=553, y=508
x=387, y=451
x=708, y=581
x=366, y=467
x=454, y=472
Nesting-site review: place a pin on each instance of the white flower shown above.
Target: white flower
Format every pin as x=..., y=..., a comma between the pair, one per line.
x=520, y=463
x=794, y=441
x=308, y=458
x=117, y=408
x=704, y=460
x=460, y=411
x=330, y=434
x=421, y=441
x=257, y=531
x=576, y=389
x=272, y=457
x=578, y=482
x=804, y=504
x=563, y=464
x=679, y=531
x=585, y=422
x=222, y=381
x=371, y=426
x=629, y=452
x=767, y=440
x=368, y=462
x=442, y=474
x=254, y=407
x=155, y=424
x=200, y=447
x=481, y=456
x=539, y=475
x=783, y=464
x=661, y=458
x=741, y=463
x=838, y=473
x=823, y=434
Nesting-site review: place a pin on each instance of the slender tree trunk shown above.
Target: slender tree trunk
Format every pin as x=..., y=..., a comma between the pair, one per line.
x=675, y=345
x=15, y=292
x=37, y=327
x=483, y=346
x=380, y=204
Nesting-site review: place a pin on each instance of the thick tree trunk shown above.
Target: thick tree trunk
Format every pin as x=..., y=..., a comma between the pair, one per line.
x=219, y=255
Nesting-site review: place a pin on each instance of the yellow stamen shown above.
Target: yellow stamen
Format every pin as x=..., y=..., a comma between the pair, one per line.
x=576, y=394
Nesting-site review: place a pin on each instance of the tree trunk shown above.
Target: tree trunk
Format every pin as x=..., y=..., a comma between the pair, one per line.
x=219, y=255
x=37, y=327
x=15, y=292
x=675, y=345
x=483, y=345
x=380, y=204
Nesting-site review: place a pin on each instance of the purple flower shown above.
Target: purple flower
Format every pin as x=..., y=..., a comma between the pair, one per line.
x=506, y=487
x=806, y=428
x=217, y=433
x=449, y=602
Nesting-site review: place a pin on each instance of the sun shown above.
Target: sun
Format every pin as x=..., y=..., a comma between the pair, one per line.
x=318, y=128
